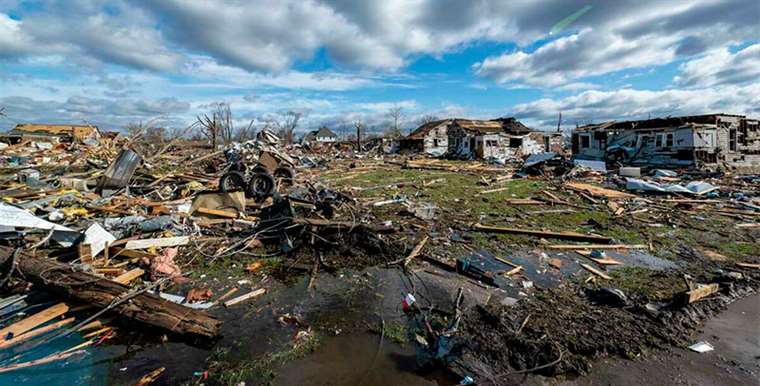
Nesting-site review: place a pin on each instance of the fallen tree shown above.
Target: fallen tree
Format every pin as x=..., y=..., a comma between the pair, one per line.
x=63, y=279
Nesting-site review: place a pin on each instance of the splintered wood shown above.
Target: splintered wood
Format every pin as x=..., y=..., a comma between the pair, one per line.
x=597, y=191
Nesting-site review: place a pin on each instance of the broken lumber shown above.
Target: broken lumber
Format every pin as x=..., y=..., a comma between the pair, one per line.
x=581, y=247
x=416, y=251
x=523, y=201
x=704, y=291
x=553, y=235
x=597, y=191
x=159, y=243
x=128, y=276
x=604, y=261
x=217, y=212
x=36, y=332
x=62, y=279
x=245, y=297
x=33, y=321
x=748, y=265
x=596, y=271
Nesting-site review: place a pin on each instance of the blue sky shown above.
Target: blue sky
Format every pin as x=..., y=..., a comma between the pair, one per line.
x=336, y=62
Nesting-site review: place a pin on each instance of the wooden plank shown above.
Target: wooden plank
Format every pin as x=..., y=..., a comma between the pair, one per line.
x=131, y=254
x=226, y=295
x=35, y=320
x=416, y=251
x=554, y=235
x=217, y=212
x=493, y=190
x=128, y=276
x=700, y=292
x=513, y=271
x=161, y=242
x=31, y=334
x=245, y=297
x=596, y=246
x=505, y=261
x=595, y=271
x=597, y=191
x=749, y=265
x=523, y=201
x=605, y=261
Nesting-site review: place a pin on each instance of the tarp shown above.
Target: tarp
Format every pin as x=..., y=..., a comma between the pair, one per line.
x=598, y=166
x=535, y=159
x=694, y=187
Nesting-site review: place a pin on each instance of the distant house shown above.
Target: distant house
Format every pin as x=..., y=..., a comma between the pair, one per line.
x=430, y=138
x=50, y=133
x=323, y=135
x=499, y=138
x=686, y=141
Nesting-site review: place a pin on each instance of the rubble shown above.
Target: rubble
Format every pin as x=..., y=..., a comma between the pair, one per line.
x=587, y=260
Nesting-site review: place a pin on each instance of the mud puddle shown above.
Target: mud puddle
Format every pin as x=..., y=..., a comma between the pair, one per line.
x=359, y=359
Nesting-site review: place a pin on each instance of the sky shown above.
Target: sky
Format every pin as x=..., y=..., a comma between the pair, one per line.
x=118, y=62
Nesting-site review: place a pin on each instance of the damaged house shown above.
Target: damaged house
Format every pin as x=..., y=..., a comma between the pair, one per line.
x=689, y=141
x=323, y=135
x=430, y=138
x=501, y=138
x=50, y=133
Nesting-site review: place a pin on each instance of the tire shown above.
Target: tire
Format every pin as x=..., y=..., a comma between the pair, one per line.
x=261, y=186
x=259, y=168
x=231, y=182
x=284, y=176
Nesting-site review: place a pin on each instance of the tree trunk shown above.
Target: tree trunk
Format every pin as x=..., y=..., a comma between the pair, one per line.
x=59, y=278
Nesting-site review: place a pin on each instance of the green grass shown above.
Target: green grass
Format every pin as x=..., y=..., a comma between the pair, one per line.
x=395, y=331
x=228, y=371
x=646, y=283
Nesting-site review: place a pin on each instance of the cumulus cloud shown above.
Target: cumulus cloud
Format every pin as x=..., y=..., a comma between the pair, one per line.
x=621, y=35
x=208, y=73
x=89, y=32
x=721, y=67
x=596, y=106
x=111, y=114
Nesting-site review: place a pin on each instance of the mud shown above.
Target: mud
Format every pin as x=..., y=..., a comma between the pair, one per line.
x=736, y=360
x=567, y=331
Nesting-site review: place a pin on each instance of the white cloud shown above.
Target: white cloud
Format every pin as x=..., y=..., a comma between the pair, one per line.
x=721, y=67
x=13, y=41
x=385, y=106
x=208, y=73
x=623, y=35
x=596, y=106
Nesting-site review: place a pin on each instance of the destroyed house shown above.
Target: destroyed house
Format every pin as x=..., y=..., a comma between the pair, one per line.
x=499, y=138
x=430, y=138
x=730, y=140
x=50, y=133
x=323, y=135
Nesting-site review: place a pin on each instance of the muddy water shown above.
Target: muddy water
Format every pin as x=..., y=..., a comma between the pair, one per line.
x=359, y=359
x=341, y=309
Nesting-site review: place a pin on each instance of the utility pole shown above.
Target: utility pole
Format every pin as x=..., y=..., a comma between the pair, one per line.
x=358, y=136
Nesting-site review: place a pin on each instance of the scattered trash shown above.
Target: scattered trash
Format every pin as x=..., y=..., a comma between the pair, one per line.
x=701, y=347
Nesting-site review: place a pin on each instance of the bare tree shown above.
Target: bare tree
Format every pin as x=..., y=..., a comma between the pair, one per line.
x=427, y=118
x=288, y=126
x=396, y=114
x=245, y=133
x=359, y=125
x=219, y=125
